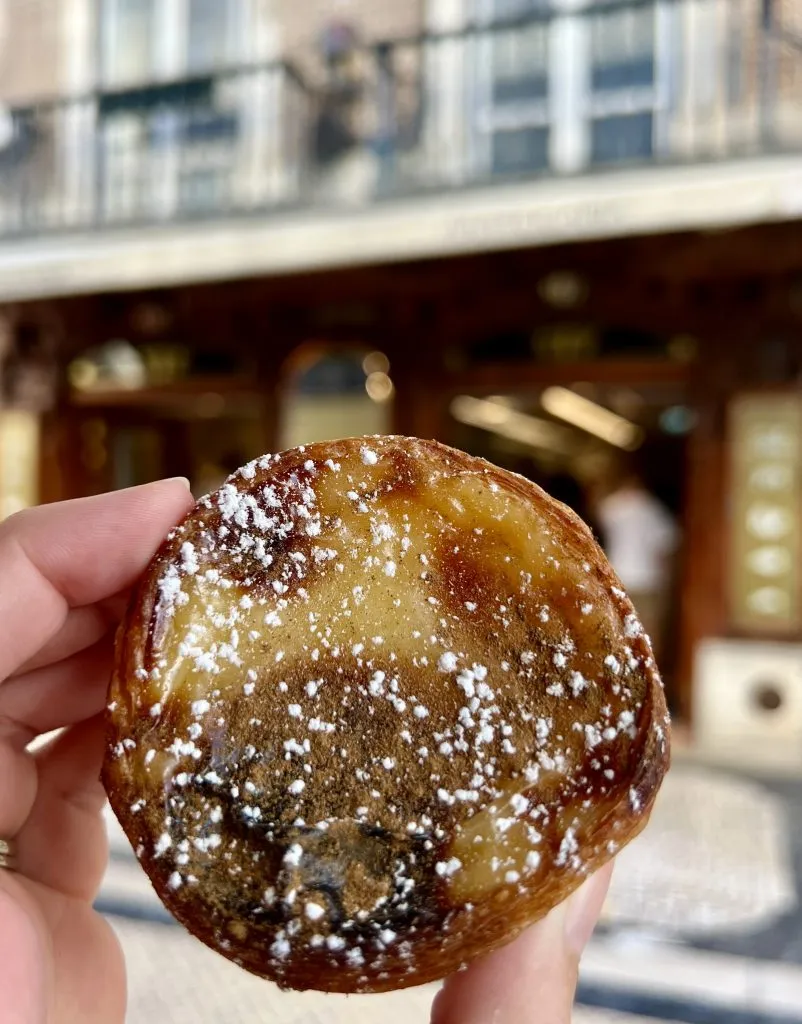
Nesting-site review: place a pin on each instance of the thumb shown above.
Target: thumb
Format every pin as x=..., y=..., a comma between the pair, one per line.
x=534, y=977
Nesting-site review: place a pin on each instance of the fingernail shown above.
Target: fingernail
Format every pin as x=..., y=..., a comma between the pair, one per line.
x=583, y=909
x=178, y=480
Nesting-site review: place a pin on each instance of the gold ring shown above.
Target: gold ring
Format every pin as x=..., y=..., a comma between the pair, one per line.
x=8, y=859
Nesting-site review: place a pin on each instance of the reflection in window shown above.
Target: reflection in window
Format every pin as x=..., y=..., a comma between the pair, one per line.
x=330, y=393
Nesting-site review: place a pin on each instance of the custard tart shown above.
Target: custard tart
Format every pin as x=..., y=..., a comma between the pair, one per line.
x=377, y=706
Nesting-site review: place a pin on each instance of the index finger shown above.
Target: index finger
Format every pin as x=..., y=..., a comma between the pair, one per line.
x=74, y=553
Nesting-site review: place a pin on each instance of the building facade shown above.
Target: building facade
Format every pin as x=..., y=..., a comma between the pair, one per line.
x=133, y=111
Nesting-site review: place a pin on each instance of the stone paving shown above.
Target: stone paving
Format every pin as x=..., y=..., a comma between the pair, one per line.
x=175, y=980
x=703, y=922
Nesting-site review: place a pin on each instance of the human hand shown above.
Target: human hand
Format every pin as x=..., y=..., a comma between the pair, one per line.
x=65, y=570
x=533, y=979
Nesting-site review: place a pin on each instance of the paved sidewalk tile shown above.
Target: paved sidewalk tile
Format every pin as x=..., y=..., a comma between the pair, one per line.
x=174, y=980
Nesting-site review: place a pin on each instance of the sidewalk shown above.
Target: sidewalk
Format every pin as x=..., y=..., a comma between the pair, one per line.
x=702, y=926
x=175, y=980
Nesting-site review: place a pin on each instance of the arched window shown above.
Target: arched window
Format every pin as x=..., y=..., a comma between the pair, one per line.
x=334, y=391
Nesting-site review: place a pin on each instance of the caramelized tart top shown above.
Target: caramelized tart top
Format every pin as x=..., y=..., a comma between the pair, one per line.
x=372, y=695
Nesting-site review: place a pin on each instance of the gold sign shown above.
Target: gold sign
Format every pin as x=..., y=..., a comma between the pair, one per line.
x=766, y=494
x=19, y=460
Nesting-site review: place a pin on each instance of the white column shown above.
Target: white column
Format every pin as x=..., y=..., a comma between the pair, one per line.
x=77, y=46
x=666, y=74
x=170, y=19
x=446, y=132
x=75, y=131
x=169, y=62
x=569, y=87
x=262, y=29
x=262, y=163
x=481, y=128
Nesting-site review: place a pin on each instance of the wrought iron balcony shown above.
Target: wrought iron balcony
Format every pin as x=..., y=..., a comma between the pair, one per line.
x=235, y=140
x=558, y=88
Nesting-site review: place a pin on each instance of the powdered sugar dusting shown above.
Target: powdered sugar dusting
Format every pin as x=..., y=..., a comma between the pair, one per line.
x=381, y=659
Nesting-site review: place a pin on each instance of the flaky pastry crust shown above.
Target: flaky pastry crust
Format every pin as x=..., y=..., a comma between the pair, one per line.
x=377, y=706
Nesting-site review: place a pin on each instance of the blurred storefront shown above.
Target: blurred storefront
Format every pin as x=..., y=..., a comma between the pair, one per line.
x=680, y=357
x=565, y=237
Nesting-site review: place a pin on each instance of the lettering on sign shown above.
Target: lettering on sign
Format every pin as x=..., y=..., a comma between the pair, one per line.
x=765, y=578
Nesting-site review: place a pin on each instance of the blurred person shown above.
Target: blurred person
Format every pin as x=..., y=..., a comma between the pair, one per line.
x=66, y=570
x=640, y=538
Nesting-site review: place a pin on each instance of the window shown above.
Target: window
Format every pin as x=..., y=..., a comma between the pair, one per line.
x=518, y=58
x=622, y=137
x=622, y=84
x=208, y=34
x=622, y=49
x=127, y=31
x=142, y=38
x=169, y=141
x=520, y=64
x=517, y=150
x=562, y=86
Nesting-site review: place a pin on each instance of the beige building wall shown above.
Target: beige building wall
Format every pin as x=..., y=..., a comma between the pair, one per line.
x=49, y=47
x=301, y=21
x=31, y=49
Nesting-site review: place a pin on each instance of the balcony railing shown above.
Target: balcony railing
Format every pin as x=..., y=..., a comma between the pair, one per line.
x=235, y=140
x=560, y=89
